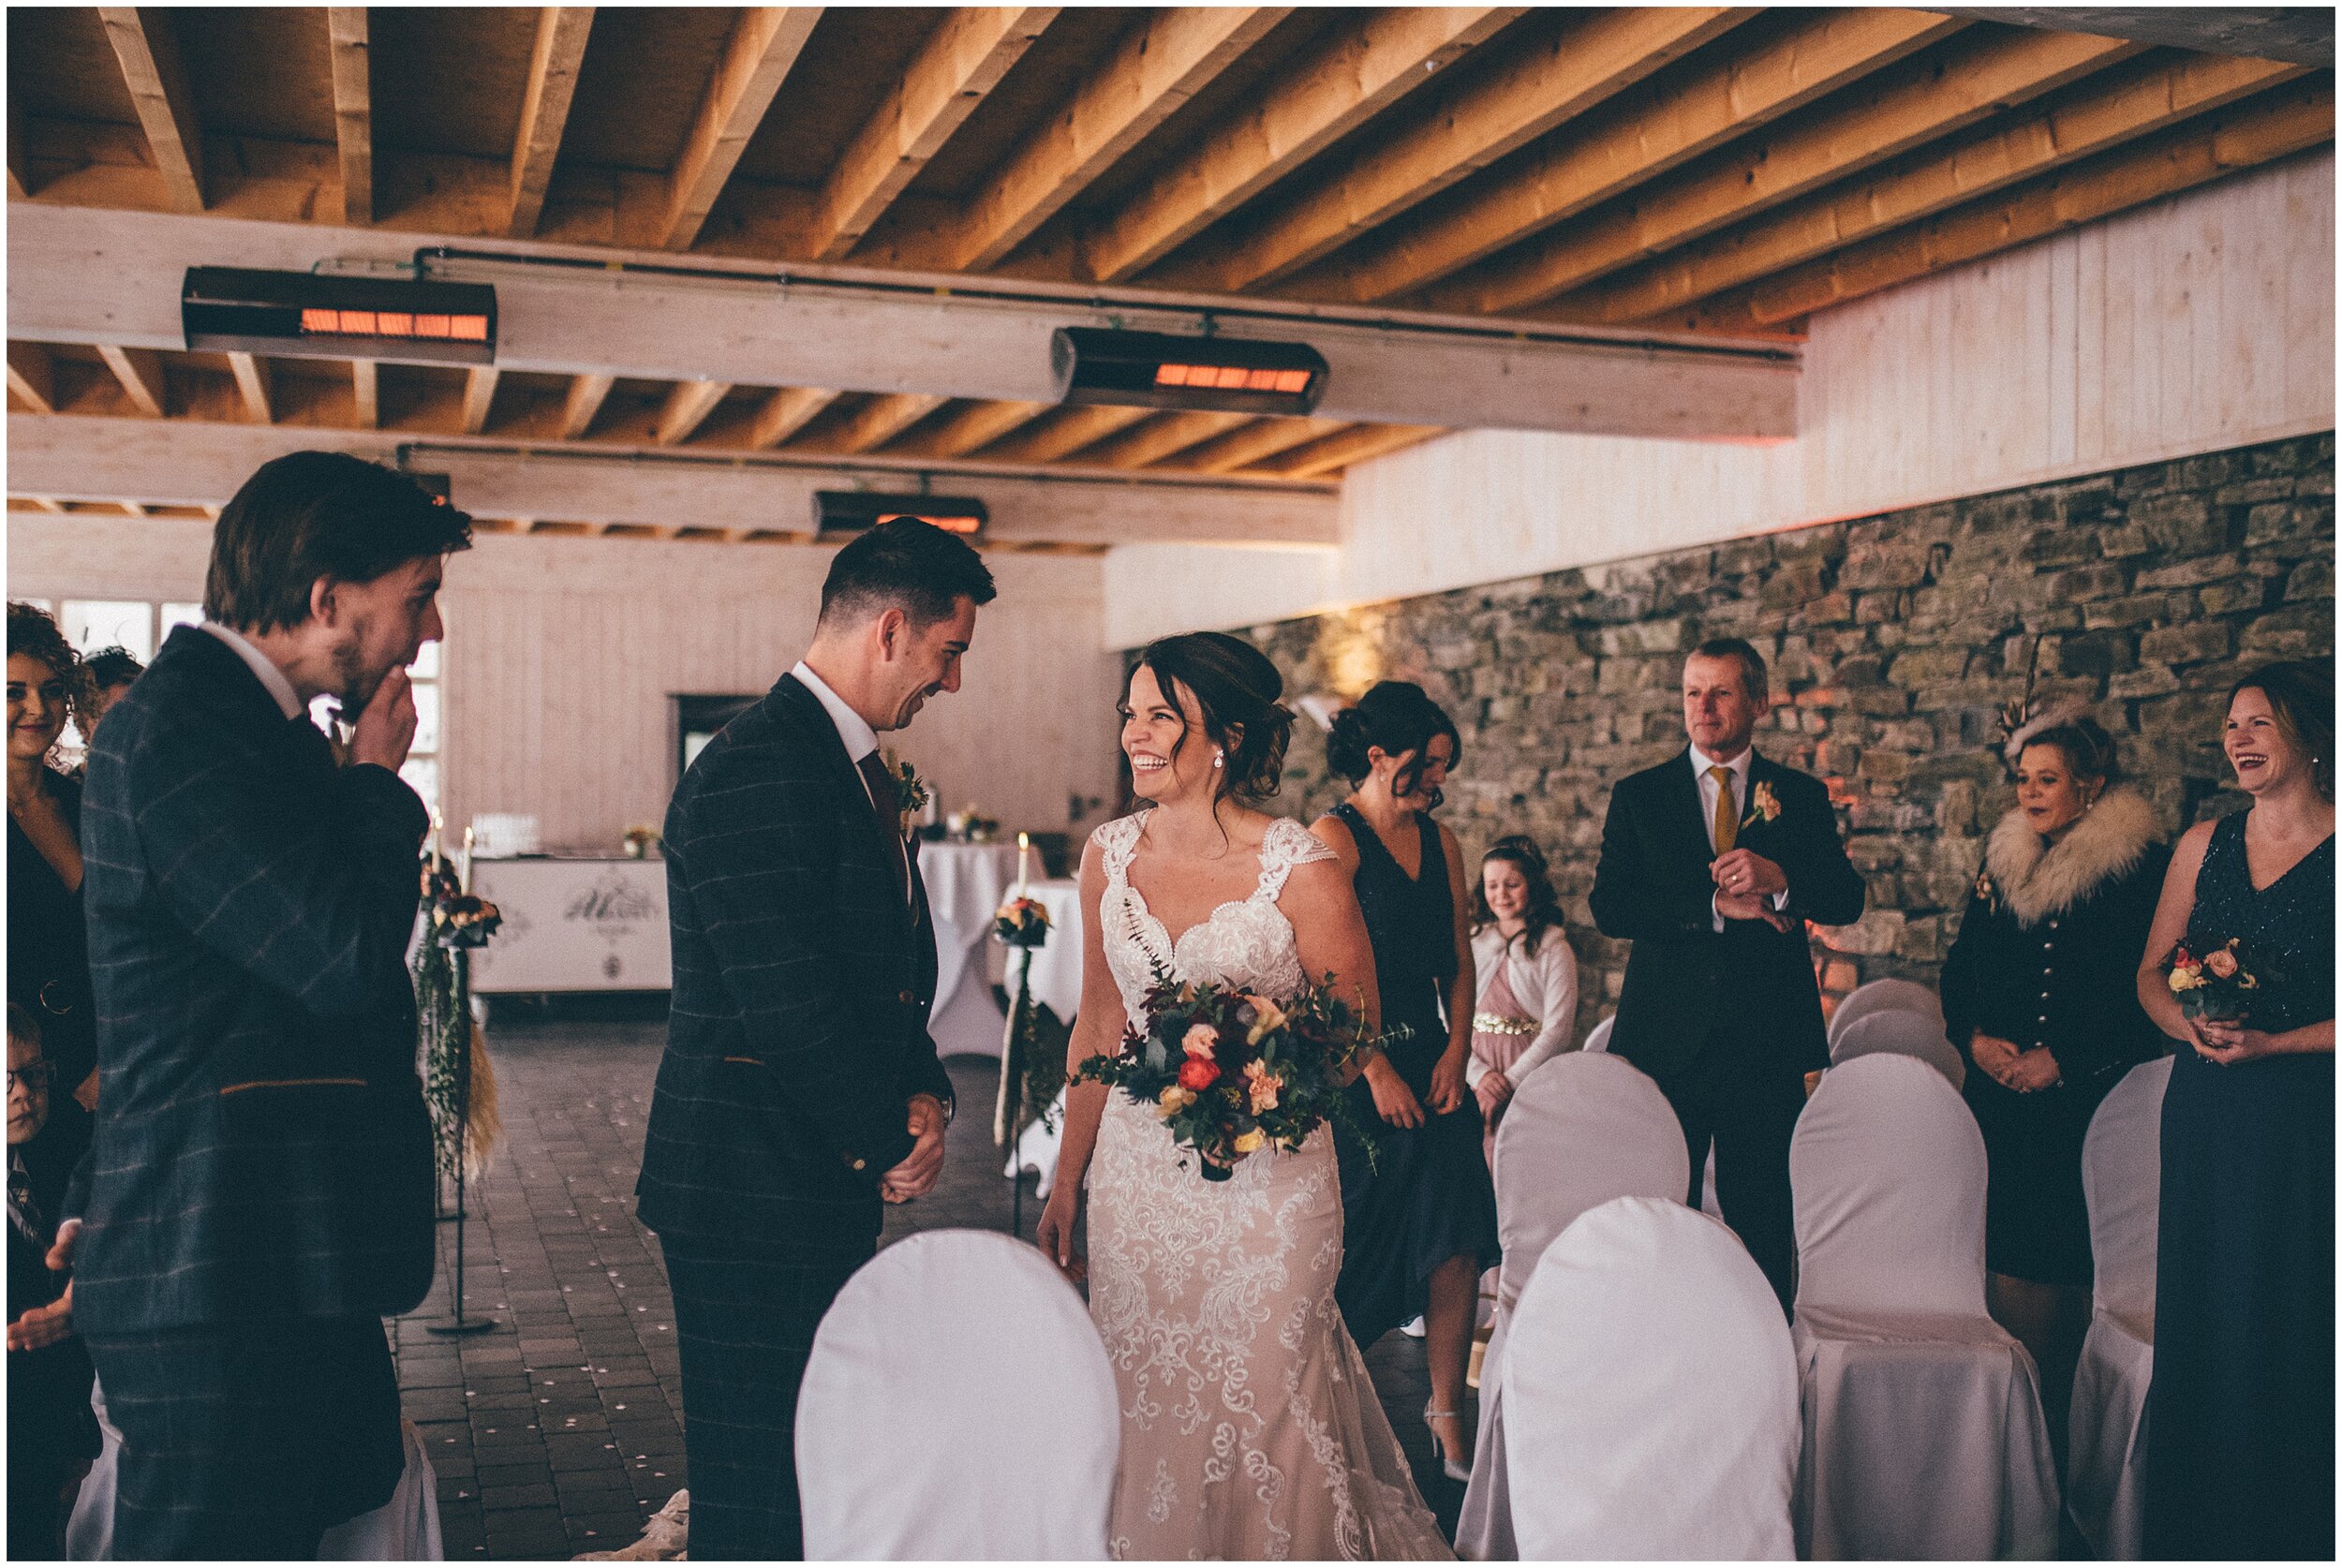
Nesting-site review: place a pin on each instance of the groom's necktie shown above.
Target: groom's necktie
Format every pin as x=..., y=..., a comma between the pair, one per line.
x=1727, y=814
x=883, y=800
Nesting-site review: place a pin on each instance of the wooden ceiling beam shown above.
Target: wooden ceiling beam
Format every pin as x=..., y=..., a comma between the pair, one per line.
x=353, y=110
x=1340, y=83
x=686, y=409
x=1065, y=432
x=1158, y=437
x=1252, y=443
x=141, y=373
x=1630, y=141
x=1354, y=445
x=1531, y=93
x=2261, y=128
x=480, y=395
x=256, y=385
x=20, y=164
x=1167, y=58
x=787, y=411
x=584, y=401
x=553, y=66
x=765, y=43
x=149, y=56
x=978, y=425
x=32, y=376
x=963, y=60
x=1935, y=97
x=2101, y=117
x=881, y=420
x=366, y=392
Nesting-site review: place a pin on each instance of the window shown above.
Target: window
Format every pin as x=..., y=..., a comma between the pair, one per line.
x=422, y=769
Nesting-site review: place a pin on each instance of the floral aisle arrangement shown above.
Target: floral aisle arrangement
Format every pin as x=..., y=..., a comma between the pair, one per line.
x=1032, y=1058
x=1232, y=1072
x=2213, y=985
x=458, y=1084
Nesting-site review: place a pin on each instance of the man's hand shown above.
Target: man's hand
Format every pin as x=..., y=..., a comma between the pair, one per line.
x=2034, y=1071
x=1751, y=906
x=916, y=1176
x=1447, y=1081
x=48, y=1326
x=1995, y=1055
x=387, y=728
x=1744, y=871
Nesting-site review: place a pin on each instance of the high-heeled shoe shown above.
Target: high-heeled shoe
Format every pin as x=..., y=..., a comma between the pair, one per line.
x=1458, y=1470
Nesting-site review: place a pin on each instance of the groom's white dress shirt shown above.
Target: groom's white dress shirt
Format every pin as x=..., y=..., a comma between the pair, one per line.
x=854, y=730
x=262, y=667
x=1738, y=768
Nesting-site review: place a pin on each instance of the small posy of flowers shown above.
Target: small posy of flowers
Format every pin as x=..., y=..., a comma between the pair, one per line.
x=1763, y=805
x=1233, y=1072
x=2214, y=985
x=638, y=839
x=911, y=791
x=1021, y=923
x=458, y=919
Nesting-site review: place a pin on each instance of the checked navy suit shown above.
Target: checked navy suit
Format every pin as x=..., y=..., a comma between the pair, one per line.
x=259, y=1193
x=1728, y=1022
x=804, y=971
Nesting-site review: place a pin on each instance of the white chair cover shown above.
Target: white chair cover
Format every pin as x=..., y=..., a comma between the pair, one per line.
x=1598, y=1038
x=1653, y=1394
x=1884, y=996
x=404, y=1530
x=1582, y=1128
x=1907, y=1034
x=2121, y=1179
x=957, y=1406
x=1923, y=1430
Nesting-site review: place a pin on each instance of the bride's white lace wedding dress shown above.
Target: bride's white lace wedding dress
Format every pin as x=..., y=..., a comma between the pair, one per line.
x=1250, y=1429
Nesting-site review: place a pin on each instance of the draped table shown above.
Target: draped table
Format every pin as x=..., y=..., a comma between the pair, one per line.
x=966, y=884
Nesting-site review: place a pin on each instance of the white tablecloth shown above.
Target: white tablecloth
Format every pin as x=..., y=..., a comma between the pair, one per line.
x=965, y=883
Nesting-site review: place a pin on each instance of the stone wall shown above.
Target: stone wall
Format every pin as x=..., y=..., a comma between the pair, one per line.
x=1893, y=640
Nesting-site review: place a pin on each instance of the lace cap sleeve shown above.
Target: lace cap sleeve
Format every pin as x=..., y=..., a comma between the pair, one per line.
x=1286, y=845
x=1117, y=839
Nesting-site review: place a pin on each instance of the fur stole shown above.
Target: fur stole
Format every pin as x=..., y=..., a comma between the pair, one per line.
x=2034, y=879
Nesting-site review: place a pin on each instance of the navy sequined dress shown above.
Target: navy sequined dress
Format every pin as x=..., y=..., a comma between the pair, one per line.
x=1427, y=1198
x=2240, y=1418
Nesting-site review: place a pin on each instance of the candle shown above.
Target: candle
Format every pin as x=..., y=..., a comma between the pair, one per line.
x=1024, y=861
x=935, y=809
x=435, y=840
x=463, y=877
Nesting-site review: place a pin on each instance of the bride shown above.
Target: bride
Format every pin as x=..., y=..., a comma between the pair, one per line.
x=1250, y=1429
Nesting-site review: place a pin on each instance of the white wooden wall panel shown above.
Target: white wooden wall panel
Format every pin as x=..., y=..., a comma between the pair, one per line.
x=2201, y=322
x=562, y=654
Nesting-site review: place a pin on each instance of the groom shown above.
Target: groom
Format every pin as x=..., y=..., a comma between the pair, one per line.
x=799, y=1086
x=1712, y=863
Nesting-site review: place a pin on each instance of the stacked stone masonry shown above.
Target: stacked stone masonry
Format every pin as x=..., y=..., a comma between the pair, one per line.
x=1893, y=641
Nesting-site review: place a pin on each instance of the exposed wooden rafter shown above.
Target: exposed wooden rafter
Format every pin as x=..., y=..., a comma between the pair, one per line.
x=881, y=420
x=480, y=395
x=765, y=43
x=256, y=386
x=786, y=412
x=1252, y=443
x=365, y=391
x=353, y=110
x=1634, y=138
x=553, y=66
x=1331, y=453
x=1533, y=91
x=149, y=56
x=32, y=376
x=582, y=402
x=1903, y=110
x=686, y=408
x=963, y=60
x=141, y=373
x=1341, y=83
x=972, y=428
x=1062, y=433
x=1154, y=439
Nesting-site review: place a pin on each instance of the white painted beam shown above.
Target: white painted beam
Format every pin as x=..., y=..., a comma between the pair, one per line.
x=88, y=275
x=191, y=463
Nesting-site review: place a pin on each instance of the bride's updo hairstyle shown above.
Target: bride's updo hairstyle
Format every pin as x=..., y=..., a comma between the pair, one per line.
x=1237, y=690
x=1397, y=716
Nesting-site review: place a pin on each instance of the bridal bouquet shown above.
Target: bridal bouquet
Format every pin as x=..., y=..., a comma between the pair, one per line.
x=1232, y=1072
x=2213, y=986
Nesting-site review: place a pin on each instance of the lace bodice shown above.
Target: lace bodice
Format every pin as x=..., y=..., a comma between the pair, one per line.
x=1246, y=942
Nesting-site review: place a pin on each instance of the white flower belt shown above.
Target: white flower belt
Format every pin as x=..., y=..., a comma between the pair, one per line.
x=1497, y=1023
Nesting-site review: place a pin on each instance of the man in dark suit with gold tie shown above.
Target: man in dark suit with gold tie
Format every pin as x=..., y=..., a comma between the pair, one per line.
x=800, y=1087
x=1712, y=863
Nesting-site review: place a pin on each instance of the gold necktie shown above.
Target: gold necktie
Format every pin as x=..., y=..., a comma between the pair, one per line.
x=1727, y=814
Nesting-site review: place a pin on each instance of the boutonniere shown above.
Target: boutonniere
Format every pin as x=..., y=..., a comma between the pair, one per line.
x=1763, y=805
x=911, y=791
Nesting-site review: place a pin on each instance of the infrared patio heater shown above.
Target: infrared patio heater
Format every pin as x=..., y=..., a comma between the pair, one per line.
x=1161, y=370
x=325, y=316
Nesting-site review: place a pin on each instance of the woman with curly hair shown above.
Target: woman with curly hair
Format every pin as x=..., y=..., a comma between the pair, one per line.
x=1527, y=1009
x=47, y=944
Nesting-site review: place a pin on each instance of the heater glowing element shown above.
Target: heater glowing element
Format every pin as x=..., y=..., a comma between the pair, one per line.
x=1158, y=370
x=334, y=316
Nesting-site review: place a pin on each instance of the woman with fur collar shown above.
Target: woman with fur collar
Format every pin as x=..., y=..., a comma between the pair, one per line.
x=2039, y=989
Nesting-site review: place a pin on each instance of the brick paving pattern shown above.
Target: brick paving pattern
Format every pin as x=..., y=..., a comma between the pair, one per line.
x=560, y=1430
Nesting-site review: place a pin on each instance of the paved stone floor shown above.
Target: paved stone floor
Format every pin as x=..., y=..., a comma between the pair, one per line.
x=560, y=1429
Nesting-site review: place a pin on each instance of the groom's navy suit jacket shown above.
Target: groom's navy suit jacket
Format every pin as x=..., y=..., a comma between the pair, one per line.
x=803, y=980
x=261, y=1149
x=1688, y=983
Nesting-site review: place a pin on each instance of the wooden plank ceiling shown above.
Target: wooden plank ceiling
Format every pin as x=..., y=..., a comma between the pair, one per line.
x=1708, y=169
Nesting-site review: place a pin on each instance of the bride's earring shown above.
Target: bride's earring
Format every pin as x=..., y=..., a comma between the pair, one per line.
x=1220, y=759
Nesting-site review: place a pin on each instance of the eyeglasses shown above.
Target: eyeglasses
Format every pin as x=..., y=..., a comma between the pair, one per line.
x=31, y=1077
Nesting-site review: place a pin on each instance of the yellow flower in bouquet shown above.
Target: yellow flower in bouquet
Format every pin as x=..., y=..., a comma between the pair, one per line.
x=1248, y=1142
x=1176, y=1098
x=1269, y=1020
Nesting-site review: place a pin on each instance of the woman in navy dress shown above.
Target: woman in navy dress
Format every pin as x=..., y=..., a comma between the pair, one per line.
x=2240, y=1416
x=1419, y=1223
